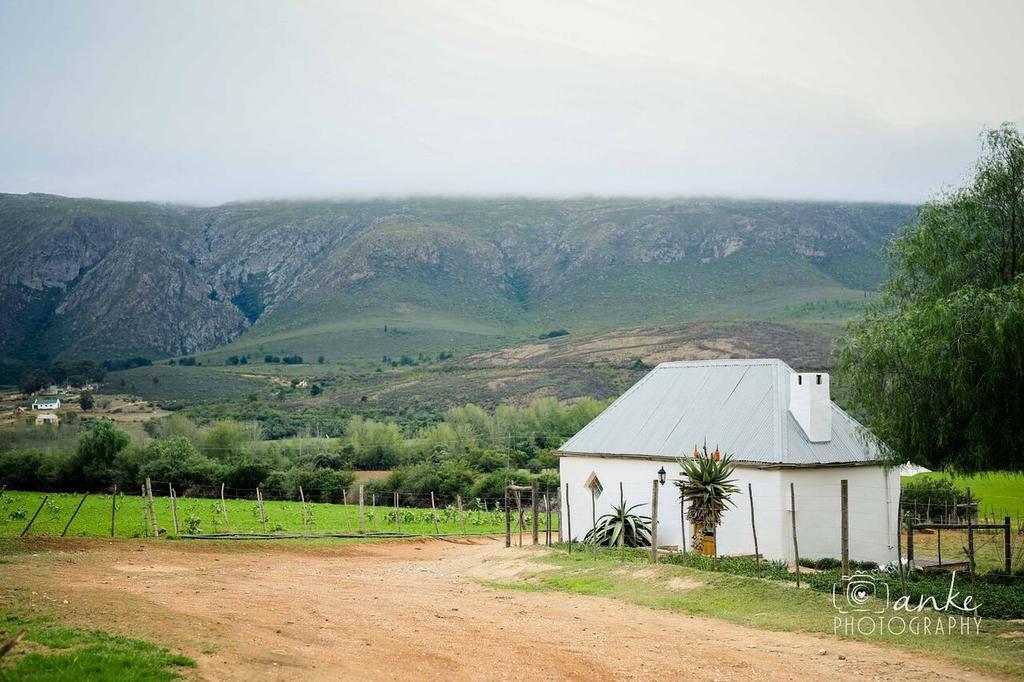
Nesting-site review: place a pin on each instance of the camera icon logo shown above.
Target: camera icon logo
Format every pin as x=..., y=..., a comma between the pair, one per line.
x=859, y=593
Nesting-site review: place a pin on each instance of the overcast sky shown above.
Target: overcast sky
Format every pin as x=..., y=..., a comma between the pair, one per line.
x=216, y=101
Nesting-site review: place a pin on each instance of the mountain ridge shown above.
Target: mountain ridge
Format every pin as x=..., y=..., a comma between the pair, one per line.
x=105, y=279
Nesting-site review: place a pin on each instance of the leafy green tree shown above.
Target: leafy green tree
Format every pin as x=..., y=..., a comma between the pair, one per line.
x=176, y=460
x=33, y=380
x=94, y=462
x=86, y=401
x=936, y=366
x=224, y=440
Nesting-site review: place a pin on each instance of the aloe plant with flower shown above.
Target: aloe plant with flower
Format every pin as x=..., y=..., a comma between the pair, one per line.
x=706, y=488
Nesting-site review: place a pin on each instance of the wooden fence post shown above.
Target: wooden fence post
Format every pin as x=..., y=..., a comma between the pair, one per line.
x=263, y=515
x=1006, y=545
x=910, y=543
x=362, y=504
x=622, y=537
x=568, y=518
x=899, y=547
x=796, y=549
x=593, y=521
x=970, y=547
x=305, y=516
x=398, y=513
x=68, y=525
x=113, y=509
x=462, y=512
x=33, y=519
x=433, y=513
x=535, y=510
x=844, y=531
x=145, y=513
x=373, y=510
x=753, y=529
x=152, y=508
x=344, y=496
x=223, y=505
x=654, y=521
x=547, y=525
x=519, y=515
x=682, y=524
x=174, y=507
x=508, y=518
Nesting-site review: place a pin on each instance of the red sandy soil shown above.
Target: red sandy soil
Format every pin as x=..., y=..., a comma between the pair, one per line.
x=409, y=611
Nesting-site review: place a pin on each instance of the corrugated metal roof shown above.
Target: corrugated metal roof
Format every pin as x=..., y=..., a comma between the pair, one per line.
x=742, y=406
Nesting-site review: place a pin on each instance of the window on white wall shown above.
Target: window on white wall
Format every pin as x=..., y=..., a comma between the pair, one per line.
x=593, y=484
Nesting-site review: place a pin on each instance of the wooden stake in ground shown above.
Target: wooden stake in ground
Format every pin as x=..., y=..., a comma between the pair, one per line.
x=796, y=549
x=682, y=525
x=844, y=531
x=899, y=547
x=223, y=505
x=152, y=508
x=753, y=529
x=433, y=513
x=373, y=510
x=362, y=520
x=534, y=509
x=33, y=519
x=263, y=516
x=145, y=512
x=174, y=508
x=80, y=503
x=622, y=536
x=547, y=527
x=113, y=509
x=305, y=517
x=11, y=643
x=593, y=521
x=462, y=513
x=508, y=519
x=398, y=514
x=344, y=496
x=1006, y=546
x=519, y=515
x=654, y=521
x=568, y=519
x=970, y=548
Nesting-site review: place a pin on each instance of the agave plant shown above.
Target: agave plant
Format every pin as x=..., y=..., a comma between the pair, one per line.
x=706, y=488
x=621, y=528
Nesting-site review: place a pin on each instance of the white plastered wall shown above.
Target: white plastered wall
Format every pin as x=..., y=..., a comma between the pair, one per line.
x=873, y=498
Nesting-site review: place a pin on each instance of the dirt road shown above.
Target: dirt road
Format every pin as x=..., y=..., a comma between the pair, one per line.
x=409, y=610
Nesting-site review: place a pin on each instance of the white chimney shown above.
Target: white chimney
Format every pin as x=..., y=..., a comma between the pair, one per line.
x=810, y=403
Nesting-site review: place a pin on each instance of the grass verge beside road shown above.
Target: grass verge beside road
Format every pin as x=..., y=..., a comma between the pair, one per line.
x=756, y=603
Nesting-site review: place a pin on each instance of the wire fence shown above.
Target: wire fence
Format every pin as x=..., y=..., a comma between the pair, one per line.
x=157, y=510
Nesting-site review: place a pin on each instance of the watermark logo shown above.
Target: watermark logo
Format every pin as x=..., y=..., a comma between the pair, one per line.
x=865, y=607
x=862, y=594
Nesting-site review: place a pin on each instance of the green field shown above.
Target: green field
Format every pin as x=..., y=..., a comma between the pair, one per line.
x=198, y=516
x=998, y=495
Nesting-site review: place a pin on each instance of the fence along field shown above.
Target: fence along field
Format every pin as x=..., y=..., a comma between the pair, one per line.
x=239, y=513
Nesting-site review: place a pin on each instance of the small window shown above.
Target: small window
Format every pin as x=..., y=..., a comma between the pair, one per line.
x=593, y=484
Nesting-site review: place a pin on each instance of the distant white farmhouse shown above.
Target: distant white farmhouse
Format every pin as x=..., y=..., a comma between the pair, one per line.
x=46, y=402
x=780, y=427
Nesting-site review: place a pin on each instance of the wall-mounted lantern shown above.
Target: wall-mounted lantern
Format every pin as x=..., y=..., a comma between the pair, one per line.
x=661, y=475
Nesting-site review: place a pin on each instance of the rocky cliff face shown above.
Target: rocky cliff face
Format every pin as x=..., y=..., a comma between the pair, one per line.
x=86, y=278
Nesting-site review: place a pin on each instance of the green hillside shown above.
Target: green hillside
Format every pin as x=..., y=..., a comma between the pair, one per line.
x=109, y=280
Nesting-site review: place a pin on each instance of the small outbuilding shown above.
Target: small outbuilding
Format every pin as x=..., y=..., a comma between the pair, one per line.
x=46, y=402
x=780, y=426
x=47, y=419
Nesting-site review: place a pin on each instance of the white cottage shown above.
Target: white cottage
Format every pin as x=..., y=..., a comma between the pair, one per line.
x=780, y=426
x=46, y=403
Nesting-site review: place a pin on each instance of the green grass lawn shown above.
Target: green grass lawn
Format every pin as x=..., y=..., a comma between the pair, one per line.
x=998, y=495
x=206, y=516
x=756, y=603
x=50, y=651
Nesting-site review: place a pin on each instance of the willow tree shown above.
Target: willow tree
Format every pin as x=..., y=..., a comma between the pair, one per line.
x=936, y=365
